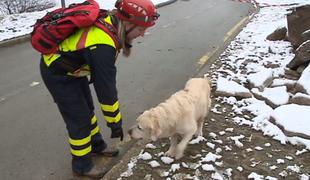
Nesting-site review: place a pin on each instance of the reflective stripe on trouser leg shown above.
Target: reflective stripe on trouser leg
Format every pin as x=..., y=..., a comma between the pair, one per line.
x=72, y=96
x=97, y=142
x=94, y=126
x=80, y=147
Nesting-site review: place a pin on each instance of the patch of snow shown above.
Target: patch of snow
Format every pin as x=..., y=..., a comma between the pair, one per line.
x=301, y=95
x=213, y=135
x=267, y=144
x=255, y=176
x=130, y=165
x=236, y=140
x=301, y=152
x=305, y=79
x=280, y=161
x=304, y=177
x=258, y=79
x=271, y=178
x=229, y=129
x=224, y=85
x=197, y=140
x=216, y=176
x=150, y=146
x=258, y=148
x=175, y=167
x=240, y=169
x=166, y=160
x=208, y=167
x=273, y=167
x=289, y=157
x=294, y=168
x=145, y=156
x=211, y=157
x=277, y=95
x=218, y=150
x=228, y=172
x=282, y=82
x=222, y=133
x=211, y=145
x=284, y=115
x=154, y=164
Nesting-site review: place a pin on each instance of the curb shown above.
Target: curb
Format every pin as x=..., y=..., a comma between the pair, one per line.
x=26, y=37
x=136, y=147
x=165, y=3
x=17, y=40
x=121, y=163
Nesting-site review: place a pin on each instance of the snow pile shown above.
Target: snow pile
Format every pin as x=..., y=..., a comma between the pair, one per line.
x=257, y=66
x=286, y=117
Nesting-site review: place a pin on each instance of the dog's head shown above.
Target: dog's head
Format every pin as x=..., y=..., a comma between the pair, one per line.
x=147, y=127
x=196, y=84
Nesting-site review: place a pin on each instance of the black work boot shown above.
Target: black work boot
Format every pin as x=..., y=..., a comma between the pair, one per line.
x=108, y=152
x=94, y=172
x=99, y=147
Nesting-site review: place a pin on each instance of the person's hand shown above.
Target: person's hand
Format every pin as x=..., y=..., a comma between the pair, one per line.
x=117, y=133
x=116, y=130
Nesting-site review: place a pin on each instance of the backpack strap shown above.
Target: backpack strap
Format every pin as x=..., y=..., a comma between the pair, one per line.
x=108, y=28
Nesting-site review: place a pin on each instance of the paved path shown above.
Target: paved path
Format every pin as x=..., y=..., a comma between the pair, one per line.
x=34, y=141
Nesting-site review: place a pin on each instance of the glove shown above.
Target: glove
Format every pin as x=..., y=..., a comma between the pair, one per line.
x=116, y=130
x=117, y=133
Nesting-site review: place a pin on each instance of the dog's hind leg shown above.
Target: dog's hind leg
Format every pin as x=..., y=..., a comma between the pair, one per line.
x=173, y=144
x=200, y=126
x=182, y=145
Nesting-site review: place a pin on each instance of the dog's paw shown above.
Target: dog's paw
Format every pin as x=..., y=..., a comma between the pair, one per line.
x=170, y=153
x=178, y=156
x=198, y=134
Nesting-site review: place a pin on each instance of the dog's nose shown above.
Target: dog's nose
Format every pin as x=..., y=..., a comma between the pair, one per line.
x=130, y=131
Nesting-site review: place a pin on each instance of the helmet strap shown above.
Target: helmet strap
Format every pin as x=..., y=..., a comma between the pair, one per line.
x=126, y=47
x=132, y=28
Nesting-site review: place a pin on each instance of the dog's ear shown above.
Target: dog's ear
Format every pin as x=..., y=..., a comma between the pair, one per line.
x=155, y=130
x=155, y=133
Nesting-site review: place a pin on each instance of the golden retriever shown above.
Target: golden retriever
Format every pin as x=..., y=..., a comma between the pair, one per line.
x=181, y=115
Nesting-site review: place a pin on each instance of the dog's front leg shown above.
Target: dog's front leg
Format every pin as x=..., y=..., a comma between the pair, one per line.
x=182, y=145
x=173, y=144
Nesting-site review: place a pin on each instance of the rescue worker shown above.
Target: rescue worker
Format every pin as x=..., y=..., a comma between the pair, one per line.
x=93, y=51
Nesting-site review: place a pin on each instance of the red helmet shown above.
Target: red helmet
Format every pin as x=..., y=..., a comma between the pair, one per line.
x=140, y=12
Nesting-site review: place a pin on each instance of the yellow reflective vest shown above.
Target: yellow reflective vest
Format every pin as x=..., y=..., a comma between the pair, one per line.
x=83, y=38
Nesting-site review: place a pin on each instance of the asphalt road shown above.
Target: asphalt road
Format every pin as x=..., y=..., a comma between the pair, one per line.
x=32, y=134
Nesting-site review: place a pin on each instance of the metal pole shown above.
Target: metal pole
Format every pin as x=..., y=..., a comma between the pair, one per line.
x=63, y=4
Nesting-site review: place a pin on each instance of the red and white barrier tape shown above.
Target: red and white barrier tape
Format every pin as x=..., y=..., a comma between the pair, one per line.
x=264, y=4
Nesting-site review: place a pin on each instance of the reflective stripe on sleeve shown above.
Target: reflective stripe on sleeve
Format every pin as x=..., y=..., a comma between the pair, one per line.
x=110, y=108
x=115, y=119
x=93, y=119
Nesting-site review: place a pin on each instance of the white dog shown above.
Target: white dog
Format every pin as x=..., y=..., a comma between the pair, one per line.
x=182, y=115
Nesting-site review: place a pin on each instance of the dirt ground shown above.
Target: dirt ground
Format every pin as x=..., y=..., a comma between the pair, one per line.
x=255, y=154
x=260, y=154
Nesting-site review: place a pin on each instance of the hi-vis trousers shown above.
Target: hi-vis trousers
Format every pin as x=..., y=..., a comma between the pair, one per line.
x=73, y=98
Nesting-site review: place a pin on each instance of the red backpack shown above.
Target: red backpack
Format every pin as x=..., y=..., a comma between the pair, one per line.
x=59, y=24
